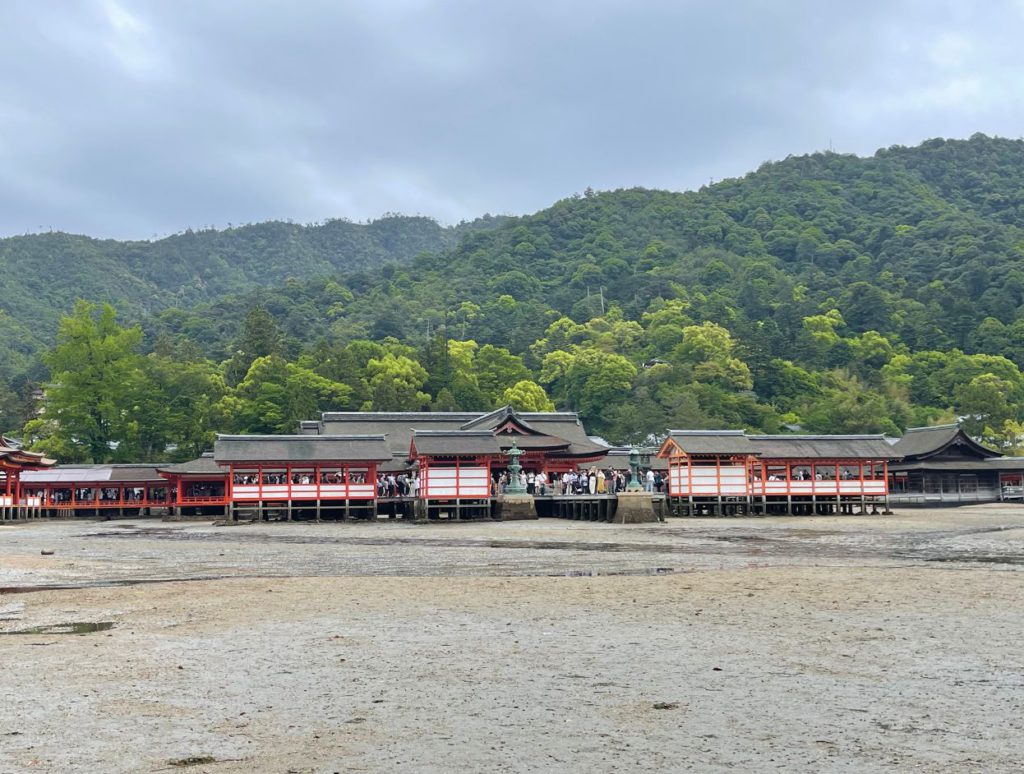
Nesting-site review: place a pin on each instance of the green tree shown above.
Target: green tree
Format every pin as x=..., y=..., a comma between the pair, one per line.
x=984, y=403
x=527, y=395
x=496, y=370
x=95, y=372
x=276, y=395
x=260, y=337
x=394, y=384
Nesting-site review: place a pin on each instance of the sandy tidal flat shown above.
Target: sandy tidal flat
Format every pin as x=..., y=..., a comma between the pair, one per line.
x=741, y=645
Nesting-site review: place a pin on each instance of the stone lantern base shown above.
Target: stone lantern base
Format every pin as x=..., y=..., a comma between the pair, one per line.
x=634, y=508
x=516, y=507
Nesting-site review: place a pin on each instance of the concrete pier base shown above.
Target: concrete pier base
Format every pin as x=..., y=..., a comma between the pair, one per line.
x=634, y=508
x=514, y=507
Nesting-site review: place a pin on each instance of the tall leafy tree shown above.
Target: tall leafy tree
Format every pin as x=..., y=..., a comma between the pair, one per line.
x=95, y=376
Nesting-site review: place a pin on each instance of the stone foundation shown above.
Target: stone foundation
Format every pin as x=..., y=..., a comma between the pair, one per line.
x=513, y=507
x=634, y=508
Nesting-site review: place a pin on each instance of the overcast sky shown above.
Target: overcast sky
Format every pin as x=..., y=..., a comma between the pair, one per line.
x=128, y=119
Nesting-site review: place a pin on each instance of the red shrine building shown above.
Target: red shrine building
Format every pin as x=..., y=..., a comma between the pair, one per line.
x=16, y=502
x=333, y=469
x=447, y=465
x=728, y=473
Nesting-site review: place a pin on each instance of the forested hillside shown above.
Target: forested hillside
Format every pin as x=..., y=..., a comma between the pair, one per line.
x=829, y=292
x=43, y=274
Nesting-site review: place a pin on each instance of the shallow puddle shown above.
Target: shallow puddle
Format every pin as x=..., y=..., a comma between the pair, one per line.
x=74, y=627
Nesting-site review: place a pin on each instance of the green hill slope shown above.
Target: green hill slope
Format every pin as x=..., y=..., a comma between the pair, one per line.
x=925, y=245
x=838, y=293
x=43, y=274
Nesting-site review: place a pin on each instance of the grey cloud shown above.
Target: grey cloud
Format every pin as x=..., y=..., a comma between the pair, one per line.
x=128, y=118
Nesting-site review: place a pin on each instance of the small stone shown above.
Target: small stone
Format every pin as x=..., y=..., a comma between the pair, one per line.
x=47, y=552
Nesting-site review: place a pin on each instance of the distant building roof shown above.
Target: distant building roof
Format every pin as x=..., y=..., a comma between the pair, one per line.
x=617, y=457
x=560, y=431
x=204, y=465
x=397, y=426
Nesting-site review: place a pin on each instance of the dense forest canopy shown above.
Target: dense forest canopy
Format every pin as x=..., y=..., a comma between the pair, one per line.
x=827, y=292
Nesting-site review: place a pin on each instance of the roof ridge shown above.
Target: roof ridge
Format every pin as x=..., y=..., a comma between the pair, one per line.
x=807, y=437
x=400, y=413
x=708, y=432
x=301, y=437
x=452, y=432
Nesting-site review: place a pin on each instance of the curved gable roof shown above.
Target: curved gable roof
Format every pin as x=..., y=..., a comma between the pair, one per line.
x=924, y=442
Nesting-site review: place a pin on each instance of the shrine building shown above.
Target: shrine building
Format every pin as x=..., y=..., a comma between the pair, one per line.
x=447, y=465
x=730, y=473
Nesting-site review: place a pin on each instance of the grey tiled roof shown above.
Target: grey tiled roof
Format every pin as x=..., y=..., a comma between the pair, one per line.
x=869, y=447
x=618, y=458
x=928, y=441
x=1013, y=464
x=300, y=448
x=397, y=426
x=112, y=473
x=712, y=441
x=204, y=465
x=455, y=442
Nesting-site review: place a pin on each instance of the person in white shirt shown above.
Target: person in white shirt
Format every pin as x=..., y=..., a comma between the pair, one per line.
x=541, y=484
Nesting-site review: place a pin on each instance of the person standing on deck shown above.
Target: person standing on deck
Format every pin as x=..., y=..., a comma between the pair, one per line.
x=592, y=481
x=602, y=484
x=649, y=481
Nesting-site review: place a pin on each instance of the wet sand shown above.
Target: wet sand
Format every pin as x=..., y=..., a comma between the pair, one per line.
x=808, y=644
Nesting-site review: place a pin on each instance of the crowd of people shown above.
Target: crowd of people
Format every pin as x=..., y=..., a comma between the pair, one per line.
x=577, y=482
x=276, y=479
x=538, y=483
x=400, y=485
